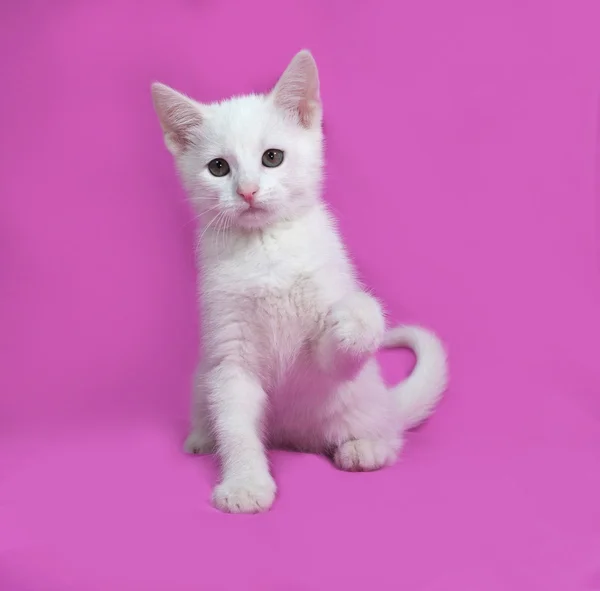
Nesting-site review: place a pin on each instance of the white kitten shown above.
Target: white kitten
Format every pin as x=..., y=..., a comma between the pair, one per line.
x=288, y=332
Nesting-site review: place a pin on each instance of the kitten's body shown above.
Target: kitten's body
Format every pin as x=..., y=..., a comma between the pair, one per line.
x=288, y=333
x=268, y=322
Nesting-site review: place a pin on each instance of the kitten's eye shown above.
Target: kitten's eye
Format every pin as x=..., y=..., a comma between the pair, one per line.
x=272, y=158
x=218, y=167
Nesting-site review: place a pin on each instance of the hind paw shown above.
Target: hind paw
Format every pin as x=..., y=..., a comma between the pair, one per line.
x=199, y=442
x=361, y=455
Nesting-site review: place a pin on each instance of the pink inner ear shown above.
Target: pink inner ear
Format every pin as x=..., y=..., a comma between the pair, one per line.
x=182, y=120
x=307, y=112
x=178, y=115
x=298, y=89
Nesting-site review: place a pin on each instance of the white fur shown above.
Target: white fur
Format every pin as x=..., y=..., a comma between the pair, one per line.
x=288, y=333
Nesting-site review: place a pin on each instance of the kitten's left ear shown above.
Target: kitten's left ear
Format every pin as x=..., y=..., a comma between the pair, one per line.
x=297, y=91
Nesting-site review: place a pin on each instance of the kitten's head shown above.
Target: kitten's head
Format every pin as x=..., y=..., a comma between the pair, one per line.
x=251, y=160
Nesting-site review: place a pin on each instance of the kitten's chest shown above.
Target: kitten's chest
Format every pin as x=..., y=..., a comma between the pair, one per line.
x=269, y=297
x=273, y=269
x=279, y=295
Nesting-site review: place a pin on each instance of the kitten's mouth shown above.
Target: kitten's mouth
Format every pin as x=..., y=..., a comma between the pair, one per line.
x=253, y=210
x=254, y=216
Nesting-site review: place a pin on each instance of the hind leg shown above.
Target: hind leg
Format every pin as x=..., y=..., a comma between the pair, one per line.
x=364, y=455
x=200, y=439
x=363, y=432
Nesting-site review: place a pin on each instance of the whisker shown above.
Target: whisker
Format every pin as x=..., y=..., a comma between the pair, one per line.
x=221, y=231
x=198, y=217
x=217, y=232
x=219, y=227
x=209, y=225
x=210, y=209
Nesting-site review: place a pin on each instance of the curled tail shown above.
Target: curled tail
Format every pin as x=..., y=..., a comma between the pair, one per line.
x=418, y=394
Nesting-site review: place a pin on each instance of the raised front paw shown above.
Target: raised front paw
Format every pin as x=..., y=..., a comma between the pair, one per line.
x=353, y=333
x=248, y=495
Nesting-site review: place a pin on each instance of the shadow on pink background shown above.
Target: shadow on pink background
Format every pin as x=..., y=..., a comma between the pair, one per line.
x=462, y=158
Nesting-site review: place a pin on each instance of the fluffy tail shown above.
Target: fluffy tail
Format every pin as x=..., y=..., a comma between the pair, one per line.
x=422, y=390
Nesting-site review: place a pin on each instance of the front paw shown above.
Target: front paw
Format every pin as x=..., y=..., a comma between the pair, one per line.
x=354, y=332
x=248, y=495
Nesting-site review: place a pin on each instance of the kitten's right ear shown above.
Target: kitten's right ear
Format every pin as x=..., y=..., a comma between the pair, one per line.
x=178, y=116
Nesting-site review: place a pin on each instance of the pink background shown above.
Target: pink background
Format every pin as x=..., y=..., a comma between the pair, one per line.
x=462, y=162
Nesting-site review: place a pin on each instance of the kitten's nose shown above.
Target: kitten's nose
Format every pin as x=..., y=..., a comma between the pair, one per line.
x=247, y=192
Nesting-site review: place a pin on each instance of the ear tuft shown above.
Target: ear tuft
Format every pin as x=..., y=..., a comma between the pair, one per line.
x=178, y=116
x=297, y=91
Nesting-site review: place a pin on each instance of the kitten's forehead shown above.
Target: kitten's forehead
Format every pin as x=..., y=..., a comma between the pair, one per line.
x=243, y=117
